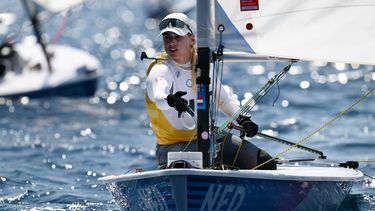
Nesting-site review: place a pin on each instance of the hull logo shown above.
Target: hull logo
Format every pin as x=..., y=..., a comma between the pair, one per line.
x=223, y=197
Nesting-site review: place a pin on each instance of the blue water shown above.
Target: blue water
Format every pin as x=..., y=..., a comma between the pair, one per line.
x=52, y=151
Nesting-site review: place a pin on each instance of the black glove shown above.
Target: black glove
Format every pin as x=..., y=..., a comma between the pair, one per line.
x=250, y=127
x=177, y=102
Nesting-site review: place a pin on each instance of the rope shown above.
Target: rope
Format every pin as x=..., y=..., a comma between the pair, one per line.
x=222, y=149
x=61, y=28
x=244, y=109
x=237, y=153
x=365, y=161
x=369, y=176
x=337, y=116
x=217, y=75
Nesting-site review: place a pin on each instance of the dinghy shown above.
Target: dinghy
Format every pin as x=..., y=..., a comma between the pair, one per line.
x=257, y=30
x=287, y=188
x=34, y=69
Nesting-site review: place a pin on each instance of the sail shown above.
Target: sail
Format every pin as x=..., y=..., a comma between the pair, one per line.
x=57, y=6
x=7, y=19
x=313, y=30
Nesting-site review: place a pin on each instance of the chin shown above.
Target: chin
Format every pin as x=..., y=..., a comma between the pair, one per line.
x=175, y=57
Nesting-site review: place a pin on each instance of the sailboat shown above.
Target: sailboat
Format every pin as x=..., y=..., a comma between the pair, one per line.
x=35, y=69
x=257, y=30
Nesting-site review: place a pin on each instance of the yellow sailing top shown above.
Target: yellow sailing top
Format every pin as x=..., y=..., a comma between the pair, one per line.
x=166, y=77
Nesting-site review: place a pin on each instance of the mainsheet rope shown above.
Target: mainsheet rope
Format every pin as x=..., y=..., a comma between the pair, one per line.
x=336, y=117
x=247, y=107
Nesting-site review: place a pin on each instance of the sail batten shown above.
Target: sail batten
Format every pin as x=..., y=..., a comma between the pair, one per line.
x=233, y=56
x=331, y=31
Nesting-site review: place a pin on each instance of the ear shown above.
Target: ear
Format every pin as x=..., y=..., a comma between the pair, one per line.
x=192, y=39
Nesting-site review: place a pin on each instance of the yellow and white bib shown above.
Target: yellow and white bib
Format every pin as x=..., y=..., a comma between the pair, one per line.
x=166, y=77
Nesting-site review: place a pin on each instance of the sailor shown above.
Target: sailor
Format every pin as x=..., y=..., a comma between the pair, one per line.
x=170, y=85
x=8, y=58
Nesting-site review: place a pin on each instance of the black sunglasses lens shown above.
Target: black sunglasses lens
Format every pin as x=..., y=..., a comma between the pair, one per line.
x=173, y=22
x=163, y=24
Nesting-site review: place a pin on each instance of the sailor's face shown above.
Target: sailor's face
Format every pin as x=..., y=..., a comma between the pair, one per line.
x=178, y=47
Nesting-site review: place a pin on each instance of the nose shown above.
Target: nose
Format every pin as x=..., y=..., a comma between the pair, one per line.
x=171, y=42
x=170, y=39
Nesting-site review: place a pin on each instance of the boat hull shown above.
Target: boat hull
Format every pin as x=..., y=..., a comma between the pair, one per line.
x=191, y=189
x=75, y=73
x=82, y=88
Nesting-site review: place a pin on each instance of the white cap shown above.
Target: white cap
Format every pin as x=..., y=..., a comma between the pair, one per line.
x=179, y=31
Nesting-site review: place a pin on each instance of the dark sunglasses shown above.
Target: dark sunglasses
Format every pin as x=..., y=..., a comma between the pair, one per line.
x=174, y=23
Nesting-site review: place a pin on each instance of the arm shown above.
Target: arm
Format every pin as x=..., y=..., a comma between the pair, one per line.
x=229, y=107
x=226, y=103
x=158, y=84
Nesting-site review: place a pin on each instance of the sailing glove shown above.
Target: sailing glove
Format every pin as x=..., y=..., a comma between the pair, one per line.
x=250, y=127
x=177, y=102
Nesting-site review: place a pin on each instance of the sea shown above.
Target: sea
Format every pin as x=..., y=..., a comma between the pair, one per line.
x=53, y=150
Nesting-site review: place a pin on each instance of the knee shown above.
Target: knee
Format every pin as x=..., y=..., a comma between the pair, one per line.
x=265, y=157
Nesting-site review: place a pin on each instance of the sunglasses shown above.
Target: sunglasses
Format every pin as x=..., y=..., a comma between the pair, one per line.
x=174, y=23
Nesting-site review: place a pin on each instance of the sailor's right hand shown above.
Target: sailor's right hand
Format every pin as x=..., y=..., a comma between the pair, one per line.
x=176, y=101
x=249, y=126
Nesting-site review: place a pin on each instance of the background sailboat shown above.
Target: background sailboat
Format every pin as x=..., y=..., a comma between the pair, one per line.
x=34, y=68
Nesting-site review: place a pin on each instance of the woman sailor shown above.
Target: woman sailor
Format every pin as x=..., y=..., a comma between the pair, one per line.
x=170, y=85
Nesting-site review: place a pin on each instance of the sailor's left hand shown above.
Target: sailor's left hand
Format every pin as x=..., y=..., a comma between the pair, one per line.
x=249, y=126
x=176, y=101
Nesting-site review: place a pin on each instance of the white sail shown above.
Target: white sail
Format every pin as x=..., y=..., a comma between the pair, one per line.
x=7, y=19
x=57, y=6
x=313, y=30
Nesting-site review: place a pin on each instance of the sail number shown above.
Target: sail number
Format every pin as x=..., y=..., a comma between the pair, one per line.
x=223, y=197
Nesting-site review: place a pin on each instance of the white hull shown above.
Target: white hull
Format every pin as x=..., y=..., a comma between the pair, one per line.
x=29, y=75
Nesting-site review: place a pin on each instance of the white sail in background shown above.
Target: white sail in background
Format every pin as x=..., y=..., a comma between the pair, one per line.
x=57, y=6
x=6, y=19
x=313, y=30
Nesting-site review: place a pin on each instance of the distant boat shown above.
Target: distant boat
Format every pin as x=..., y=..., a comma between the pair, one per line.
x=35, y=69
x=257, y=30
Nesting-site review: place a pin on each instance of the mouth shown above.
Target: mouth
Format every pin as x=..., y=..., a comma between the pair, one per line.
x=172, y=50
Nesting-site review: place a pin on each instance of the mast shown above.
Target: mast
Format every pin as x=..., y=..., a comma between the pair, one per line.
x=33, y=14
x=205, y=40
